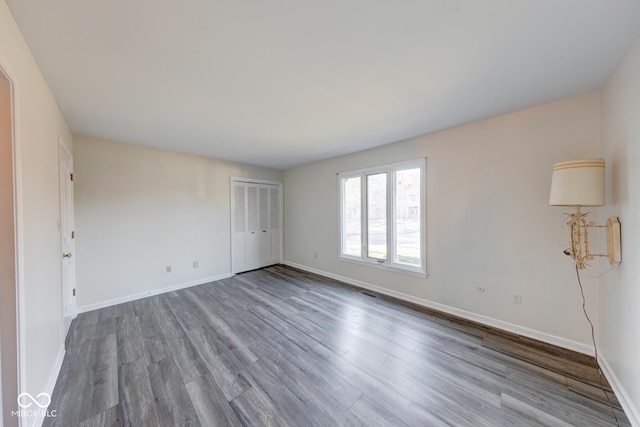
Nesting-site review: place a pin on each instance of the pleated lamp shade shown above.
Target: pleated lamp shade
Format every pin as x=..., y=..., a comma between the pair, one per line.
x=578, y=183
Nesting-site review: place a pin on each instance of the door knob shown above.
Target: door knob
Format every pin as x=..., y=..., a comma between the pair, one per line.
x=68, y=255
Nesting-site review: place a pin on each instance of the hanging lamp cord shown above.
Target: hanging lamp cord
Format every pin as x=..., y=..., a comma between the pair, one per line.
x=595, y=348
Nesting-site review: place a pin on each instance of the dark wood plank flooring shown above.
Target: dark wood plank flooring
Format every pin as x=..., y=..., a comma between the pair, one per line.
x=281, y=347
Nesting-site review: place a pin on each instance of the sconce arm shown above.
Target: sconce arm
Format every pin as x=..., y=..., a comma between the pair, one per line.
x=580, y=251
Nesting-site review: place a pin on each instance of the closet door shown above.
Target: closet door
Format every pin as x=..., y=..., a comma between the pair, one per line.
x=256, y=225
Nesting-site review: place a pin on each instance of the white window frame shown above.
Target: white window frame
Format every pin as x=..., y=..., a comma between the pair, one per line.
x=389, y=263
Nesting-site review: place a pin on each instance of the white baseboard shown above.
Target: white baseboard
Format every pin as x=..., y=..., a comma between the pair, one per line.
x=38, y=415
x=485, y=320
x=630, y=409
x=128, y=298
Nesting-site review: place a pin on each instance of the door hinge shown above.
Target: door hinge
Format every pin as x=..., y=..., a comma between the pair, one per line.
x=74, y=292
x=71, y=176
x=73, y=234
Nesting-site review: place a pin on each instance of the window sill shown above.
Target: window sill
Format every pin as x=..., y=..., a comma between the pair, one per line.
x=408, y=272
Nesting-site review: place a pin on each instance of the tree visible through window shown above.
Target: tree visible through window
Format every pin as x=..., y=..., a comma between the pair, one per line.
x=351, y=217
x=382, y=216
x=377, y=216
x=407, y=217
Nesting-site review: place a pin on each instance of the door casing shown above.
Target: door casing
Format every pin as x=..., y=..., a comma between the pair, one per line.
x=11, y=333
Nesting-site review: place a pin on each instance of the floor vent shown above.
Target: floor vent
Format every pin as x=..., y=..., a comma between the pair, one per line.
x=369, y=294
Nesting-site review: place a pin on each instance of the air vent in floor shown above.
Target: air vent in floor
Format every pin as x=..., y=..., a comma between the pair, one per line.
x=369, y=294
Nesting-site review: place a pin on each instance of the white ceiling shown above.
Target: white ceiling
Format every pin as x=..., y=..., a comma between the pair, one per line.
x=284, y=82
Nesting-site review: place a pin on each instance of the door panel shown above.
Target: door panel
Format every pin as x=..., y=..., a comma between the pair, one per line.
x=239, y=216
x=264, y=225
x=238, y=255
x=251, y=237
x=275, y=227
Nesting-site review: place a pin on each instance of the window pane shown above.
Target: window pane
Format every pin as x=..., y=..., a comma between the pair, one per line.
x=352, y=219
x=407, y=217
x=377, y=215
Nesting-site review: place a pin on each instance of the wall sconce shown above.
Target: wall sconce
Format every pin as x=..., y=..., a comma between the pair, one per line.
x=580, y=183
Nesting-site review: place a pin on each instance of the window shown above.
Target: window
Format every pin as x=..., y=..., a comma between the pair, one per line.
x=382, y=216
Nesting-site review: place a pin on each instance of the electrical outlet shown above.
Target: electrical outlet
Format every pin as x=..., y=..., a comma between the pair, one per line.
x=195, y=264
x=517, y=299
x=168, y=268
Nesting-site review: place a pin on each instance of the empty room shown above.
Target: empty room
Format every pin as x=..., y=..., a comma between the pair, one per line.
x=319, y=213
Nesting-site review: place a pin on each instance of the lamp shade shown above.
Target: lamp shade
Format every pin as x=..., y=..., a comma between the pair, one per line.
x=578, y=183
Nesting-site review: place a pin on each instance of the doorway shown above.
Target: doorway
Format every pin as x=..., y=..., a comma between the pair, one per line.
x=8, y=259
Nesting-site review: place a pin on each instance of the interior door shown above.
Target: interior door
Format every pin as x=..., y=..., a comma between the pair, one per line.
x=67, y=236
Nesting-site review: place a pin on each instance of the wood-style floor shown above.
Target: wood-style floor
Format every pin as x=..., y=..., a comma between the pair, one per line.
x=281, y=347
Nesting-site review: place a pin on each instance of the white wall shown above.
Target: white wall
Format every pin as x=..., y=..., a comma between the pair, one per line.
x=39, y=123
x=140, y=209
x=619, y=332
x=488, y=219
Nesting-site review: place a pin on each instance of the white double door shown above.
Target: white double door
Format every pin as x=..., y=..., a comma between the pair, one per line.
x=256, y=216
